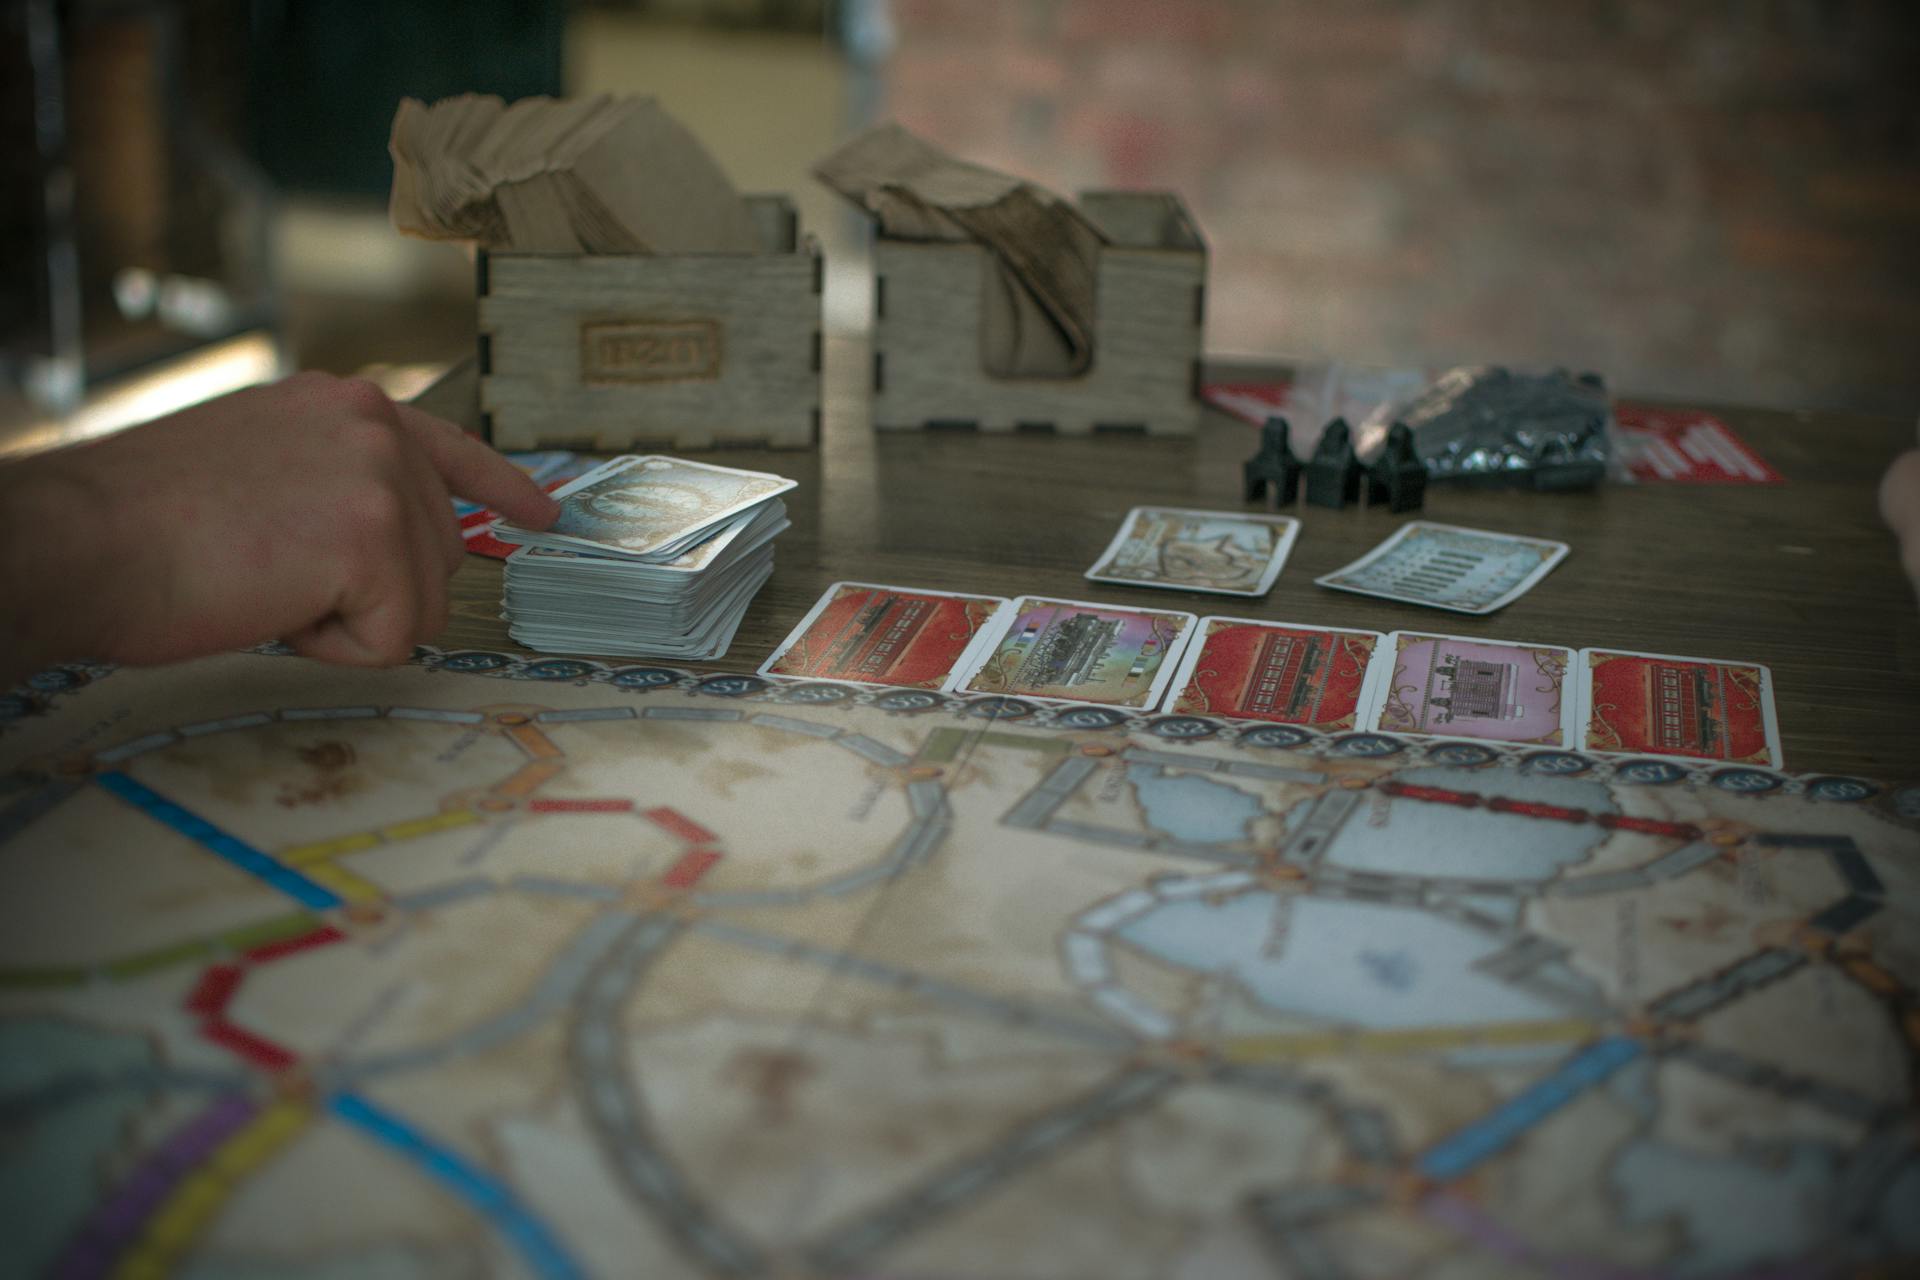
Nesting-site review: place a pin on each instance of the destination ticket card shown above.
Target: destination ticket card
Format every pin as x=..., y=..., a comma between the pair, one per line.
x=1227, y=552
x=1444, y=566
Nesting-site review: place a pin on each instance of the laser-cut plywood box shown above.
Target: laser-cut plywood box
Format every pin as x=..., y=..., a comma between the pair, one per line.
x=1150, y=308
x=610, y=352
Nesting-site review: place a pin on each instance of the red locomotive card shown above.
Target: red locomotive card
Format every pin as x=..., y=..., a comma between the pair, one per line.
x=1695, y=708
x=1254, y=670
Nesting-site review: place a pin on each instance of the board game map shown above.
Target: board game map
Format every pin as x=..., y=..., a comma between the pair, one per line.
x=500, y=966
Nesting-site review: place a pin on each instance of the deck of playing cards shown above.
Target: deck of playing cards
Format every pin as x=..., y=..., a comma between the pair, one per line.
x=651, y=557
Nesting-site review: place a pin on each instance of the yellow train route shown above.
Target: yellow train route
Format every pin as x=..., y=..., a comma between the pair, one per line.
x=349, y=886
x=317, y=859
x=414, y=828
x=202, y=1194
x=324, y=850
x=304, y=855
x=1313, y=1044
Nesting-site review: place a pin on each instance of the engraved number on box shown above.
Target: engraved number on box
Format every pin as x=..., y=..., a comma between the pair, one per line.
x=649, y=350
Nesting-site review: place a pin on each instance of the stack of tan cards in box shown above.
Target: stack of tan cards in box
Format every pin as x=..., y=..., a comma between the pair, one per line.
x=586, y=175
x=651, y=557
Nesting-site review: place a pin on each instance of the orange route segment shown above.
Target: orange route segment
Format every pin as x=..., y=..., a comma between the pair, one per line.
x=526, y=780
x=1886, y=986
x=532, y=740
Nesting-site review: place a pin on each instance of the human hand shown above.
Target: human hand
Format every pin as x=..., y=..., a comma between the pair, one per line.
x=1900, y=508
x=314, y=510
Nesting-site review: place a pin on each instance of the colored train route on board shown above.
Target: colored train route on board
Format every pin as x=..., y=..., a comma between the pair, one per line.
x=154, y=1216
x=144, y=1227
x=1600, y=1053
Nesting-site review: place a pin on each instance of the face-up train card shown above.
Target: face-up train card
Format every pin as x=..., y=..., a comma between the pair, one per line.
x=1221, y=551
x=1282, y=672
x=1447, y=567
x=1692, y=708
x=650, y=507
x=1072, y=651
x=870, y=634
x=1463, y=687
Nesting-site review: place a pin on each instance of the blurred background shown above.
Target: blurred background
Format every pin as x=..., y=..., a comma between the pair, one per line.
x=1716, y=201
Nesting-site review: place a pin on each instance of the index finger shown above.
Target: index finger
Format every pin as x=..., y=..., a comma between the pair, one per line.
x=475, y=472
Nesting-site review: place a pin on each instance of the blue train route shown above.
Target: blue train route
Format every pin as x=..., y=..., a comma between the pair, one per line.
x=536, y=1243
x=1459, y=1152
x=230, y=847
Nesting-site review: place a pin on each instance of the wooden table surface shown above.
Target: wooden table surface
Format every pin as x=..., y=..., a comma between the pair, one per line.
x=1802, y=576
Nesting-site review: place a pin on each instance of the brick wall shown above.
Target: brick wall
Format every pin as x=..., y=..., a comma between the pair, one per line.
x=1717, y=199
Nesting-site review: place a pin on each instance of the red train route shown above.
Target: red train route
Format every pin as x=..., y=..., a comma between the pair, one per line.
x=211, y=995
x=690, y=868
x=323, y=936
x=673, y=822
x=1534, y=809
x=251, y=1048
x=214, y=993
x=580, y=806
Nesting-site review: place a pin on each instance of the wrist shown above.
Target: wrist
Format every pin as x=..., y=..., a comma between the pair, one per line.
x=57, y=562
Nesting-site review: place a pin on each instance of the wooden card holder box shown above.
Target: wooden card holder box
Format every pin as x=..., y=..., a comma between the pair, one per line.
x=1149, y=312
x=606, y=352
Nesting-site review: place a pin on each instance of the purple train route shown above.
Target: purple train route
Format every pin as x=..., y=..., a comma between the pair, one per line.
x=116, y=1221
x=1462, y=1216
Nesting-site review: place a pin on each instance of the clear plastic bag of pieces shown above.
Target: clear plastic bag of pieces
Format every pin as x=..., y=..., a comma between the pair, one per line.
x=1487, y=425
